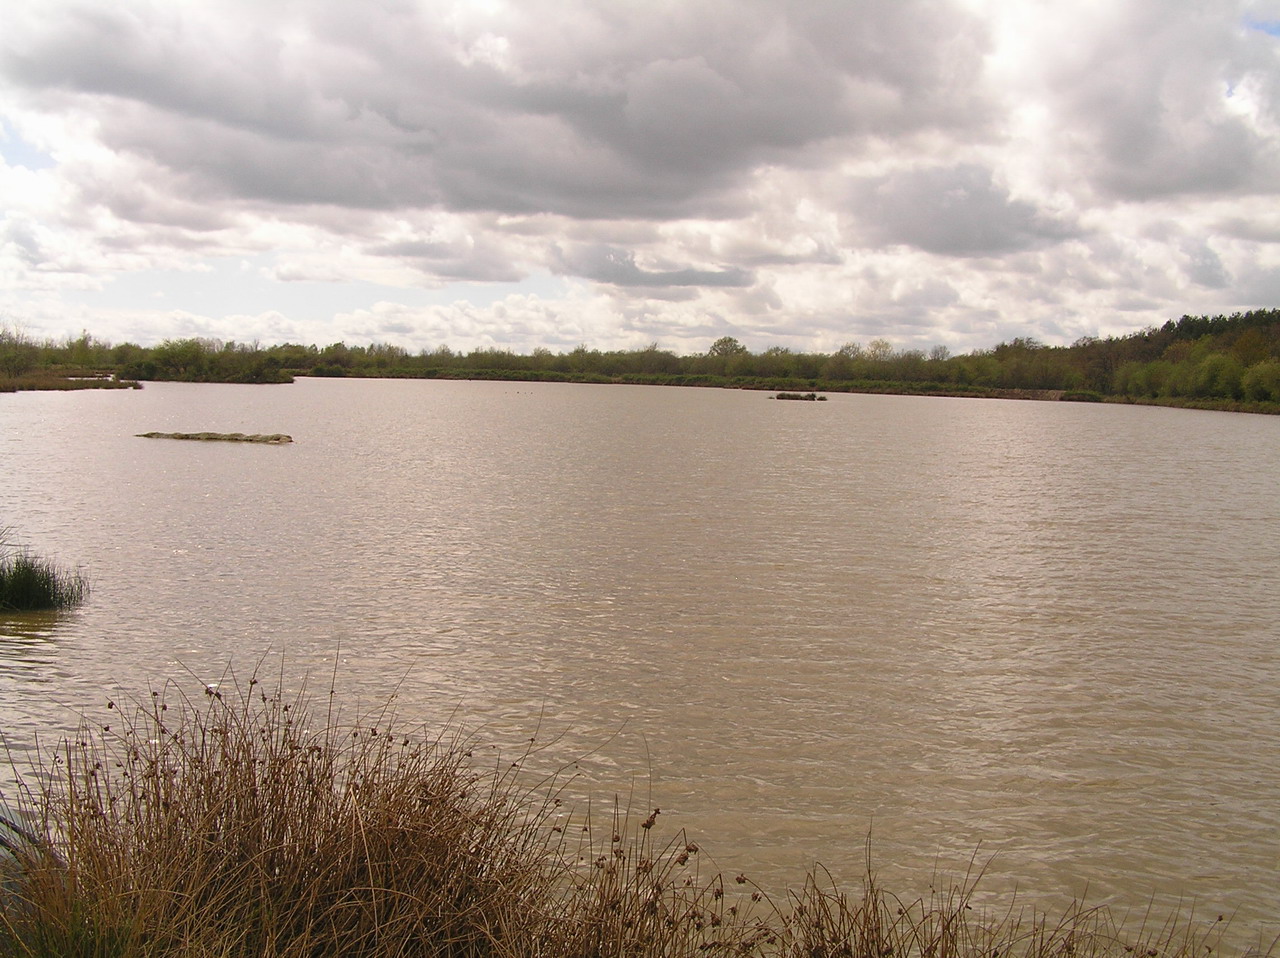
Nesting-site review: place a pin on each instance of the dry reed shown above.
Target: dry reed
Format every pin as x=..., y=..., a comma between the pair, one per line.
x=245, y=822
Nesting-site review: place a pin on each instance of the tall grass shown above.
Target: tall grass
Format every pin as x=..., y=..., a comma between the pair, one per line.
x=247, y=822
x=31, y=583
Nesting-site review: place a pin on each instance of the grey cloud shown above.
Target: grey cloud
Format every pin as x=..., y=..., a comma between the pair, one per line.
x=1204, y=266
x=181, y=66
x=665, y=294
x=760, y=299
x=822, y=255
x=951, y=210
x=1149, y=108
x=1261, y=229
x=927, y=294
x=156, y=200
x=607, y=264
x=417, y=249
x=464, y=259
x=1129, y=303
x=602, y=111
x=21, y=235
x=1259, y=288
x=758, y=251
x=218, y=162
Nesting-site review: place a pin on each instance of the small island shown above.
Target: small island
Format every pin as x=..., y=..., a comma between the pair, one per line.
x=275, y=438
x=803, y=397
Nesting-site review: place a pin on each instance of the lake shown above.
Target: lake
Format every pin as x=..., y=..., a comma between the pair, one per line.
x=1043, y=634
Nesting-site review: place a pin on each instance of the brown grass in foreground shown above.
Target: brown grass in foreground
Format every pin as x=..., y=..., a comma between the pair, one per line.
x=246, y=822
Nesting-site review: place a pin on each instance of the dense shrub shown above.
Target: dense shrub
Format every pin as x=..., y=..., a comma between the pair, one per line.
x=1261, y=383
x=17, y=353
x=1218, y=375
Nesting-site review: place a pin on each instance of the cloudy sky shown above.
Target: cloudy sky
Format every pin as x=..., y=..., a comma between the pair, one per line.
x=523, y=173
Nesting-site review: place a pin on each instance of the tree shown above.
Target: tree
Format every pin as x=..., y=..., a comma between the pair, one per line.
x=1251, y=347
x=726, y=346
x=182, y=359
x=85, y=351
x=17, y=352
x=879, y=350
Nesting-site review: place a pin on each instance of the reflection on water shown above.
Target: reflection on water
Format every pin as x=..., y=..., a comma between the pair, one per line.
x=29, y=668
x=1044, y=630
x=28, y=649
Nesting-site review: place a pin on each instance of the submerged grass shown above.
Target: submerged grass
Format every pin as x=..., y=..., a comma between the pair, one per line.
x=243, y=821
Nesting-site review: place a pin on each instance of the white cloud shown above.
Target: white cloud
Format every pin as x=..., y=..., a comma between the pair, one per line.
x=797, y=174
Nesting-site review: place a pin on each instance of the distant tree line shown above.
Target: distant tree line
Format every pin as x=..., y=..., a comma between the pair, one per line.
x=1210, y=358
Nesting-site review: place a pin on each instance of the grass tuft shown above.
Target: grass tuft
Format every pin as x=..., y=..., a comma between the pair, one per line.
x=29, y=583
x=241, y=821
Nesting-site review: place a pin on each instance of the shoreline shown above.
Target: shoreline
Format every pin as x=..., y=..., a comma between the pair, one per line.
x=754, y=384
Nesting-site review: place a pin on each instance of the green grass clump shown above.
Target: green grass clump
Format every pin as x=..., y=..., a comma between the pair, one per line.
x=243, y=822
x=29, y=583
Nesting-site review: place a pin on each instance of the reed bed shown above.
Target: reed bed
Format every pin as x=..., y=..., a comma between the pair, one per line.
x=244, y=821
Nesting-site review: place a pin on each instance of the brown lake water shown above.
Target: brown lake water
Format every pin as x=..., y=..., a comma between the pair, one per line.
x=1045, y=632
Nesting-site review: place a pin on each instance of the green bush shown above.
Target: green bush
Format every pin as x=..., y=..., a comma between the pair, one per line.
x=1219, y=375
x=331, y=370
x=1261, y=382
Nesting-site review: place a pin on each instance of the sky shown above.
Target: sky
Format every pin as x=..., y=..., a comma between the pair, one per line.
x=611, y=173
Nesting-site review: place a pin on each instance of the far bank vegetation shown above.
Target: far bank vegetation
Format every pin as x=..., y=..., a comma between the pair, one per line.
x=1223, y=362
